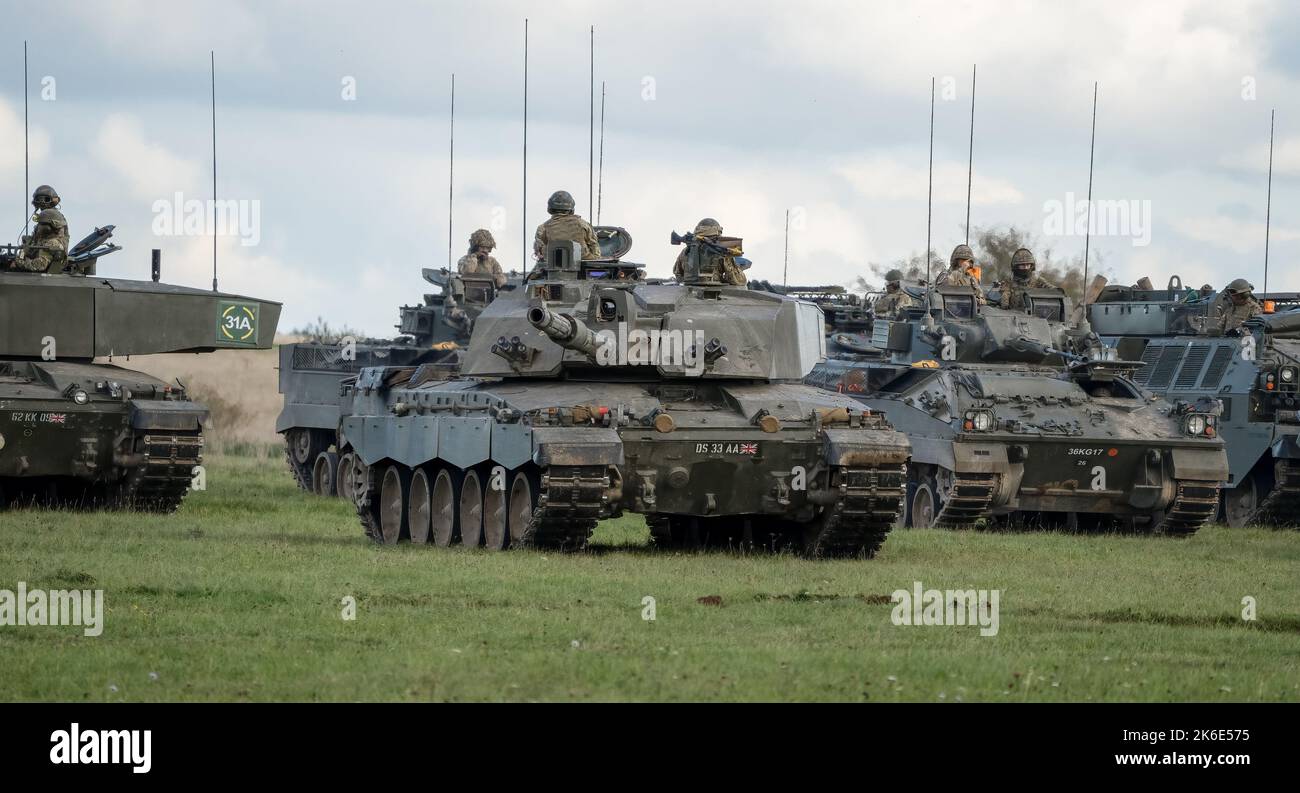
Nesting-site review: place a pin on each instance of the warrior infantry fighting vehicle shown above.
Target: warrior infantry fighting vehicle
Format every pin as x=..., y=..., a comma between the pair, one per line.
x=590, y=392
x=79, y=433
x=312, y=373
x=1255, y=374
x=1016, y=413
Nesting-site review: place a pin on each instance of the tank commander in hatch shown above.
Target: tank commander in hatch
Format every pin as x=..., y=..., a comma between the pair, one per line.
x=479, y=260
x=710, y=230
x=46, y=248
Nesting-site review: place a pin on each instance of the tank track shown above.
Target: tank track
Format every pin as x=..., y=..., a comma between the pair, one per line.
x=302, y=474
x=968, y=501
x=571, y=502
x=1281, y=507
x=869, y=502
x=161, y=484
x=1195, y=504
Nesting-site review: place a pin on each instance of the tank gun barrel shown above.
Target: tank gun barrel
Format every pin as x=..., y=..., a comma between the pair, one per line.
x=565, y=330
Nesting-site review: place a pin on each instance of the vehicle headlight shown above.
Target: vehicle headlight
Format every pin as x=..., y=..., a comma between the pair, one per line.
x=979, y=420
x=1288, y=374
x=1195, y=424
x=80, y=397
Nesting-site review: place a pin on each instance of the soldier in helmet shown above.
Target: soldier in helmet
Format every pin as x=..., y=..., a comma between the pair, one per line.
x=565, y=225
x=959, y=271
x=1022, y=278
x=895, y=299
x=710, y=230
x=479, y=260
x=1237, y=305
x=46, y=248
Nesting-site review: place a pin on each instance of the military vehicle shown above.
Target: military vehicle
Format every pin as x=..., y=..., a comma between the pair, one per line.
x=312, y=373
x=1020, y=415
x=591, y=392
x=1255, y=374
x=80, y=433
x=848, y=316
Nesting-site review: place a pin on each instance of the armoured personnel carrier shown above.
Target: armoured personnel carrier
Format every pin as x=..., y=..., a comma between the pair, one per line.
x=1255, y=374
x=591, y=392
x=76, y=431
x=1019, y=414
x=312, y=373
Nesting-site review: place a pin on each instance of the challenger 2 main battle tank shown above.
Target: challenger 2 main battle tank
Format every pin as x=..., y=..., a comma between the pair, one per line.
x=1020, y=414
x=590, y=392
x=1255, y=373
x=79, y=432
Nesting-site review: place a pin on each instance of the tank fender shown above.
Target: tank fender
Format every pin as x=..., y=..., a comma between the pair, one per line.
x=576, y=446
x=319, y=417
x=1206, y=465
x=991, y=458
x=157, y=414
x=855, y=448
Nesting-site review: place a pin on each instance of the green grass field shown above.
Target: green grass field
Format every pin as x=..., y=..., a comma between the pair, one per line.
x=238, y=597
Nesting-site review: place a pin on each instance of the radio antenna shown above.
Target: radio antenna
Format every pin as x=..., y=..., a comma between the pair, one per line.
x=591, y=130
x=27, y=176
x=970, y=165
x=451, y=167
x=600, y=173
x=1087, y=232
x=1268, y=207
x=785, y=271
x=212, y=55
x=523, y=222
x=929, y=194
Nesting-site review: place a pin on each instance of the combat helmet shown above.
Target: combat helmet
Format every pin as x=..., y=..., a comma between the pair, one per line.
x=959, y=253
x=893, y=276
x=481, y=238
x=1023, y=263
x=1238, y=286
x=560, y=203
x=708, y=227
x=44, y=197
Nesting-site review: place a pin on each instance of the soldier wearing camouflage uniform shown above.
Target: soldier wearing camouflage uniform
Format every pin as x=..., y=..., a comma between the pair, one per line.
x=710, y=230
x=1235, y=306
x=958, y=272
x=46, y=248
x=1022, y=278
x=565, y=225
x=895, y=299
x=479, y=260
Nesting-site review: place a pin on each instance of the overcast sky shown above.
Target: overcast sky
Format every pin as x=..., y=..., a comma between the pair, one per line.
x=333, y=117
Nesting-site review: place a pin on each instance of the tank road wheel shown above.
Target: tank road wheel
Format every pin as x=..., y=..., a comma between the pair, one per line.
x=442, y=507
x=418, y=507
x=302, y=447
x=496, y=502
x=392, y=503
x=522, y=502
x=351, y=476
x=470, y=510
x=1241, y=503
x=923, y=507
x=324, y=474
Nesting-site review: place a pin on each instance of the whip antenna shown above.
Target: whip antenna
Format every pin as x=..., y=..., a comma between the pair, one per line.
x=523, y=223
x=785, y=271
x=212, y=55
x=591, y=129
x=600, y=173
x=929, y=194
x=1087, y=233
x=1268, y=210
x=27, y=177
x=451, y=167
x=970, y=165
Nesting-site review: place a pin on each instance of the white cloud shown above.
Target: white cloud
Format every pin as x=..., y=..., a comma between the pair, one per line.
x=1286, y=157
x=883, y=177
x=11, y=133
x=150, y=171
x=1239, y=236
